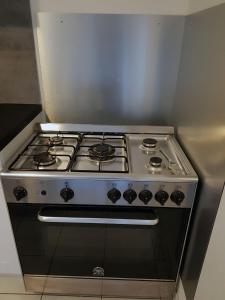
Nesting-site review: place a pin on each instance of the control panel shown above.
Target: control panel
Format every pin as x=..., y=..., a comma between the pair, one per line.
x=145, y=196
x=100, y=192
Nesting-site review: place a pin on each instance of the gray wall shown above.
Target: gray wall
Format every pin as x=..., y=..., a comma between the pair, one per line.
x=18, y=72
x=199, y=114
x=112, y=69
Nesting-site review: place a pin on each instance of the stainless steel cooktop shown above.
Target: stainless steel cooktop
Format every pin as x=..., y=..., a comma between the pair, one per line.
x=103, y=152
x=107, y=160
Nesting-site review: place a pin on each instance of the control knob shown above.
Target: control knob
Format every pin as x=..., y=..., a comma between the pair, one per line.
x=145, y=196
x=161, y=197
x=177, y=197
x=67, y=194
x=19, y=192
x=114, y=195
x=129, y=195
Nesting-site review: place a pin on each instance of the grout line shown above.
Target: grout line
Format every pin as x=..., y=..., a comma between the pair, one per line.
x=23, y=294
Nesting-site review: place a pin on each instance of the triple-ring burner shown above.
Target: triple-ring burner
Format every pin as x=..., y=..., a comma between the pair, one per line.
x=44, y=159
x=101, y=152
x=149, y=143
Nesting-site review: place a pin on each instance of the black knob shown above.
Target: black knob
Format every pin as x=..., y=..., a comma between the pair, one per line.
x=19, y=192
x=161, y=197
x=114, y=195
x=177, y=197
x=145, y=196
x=67, y=194
x=130, y=195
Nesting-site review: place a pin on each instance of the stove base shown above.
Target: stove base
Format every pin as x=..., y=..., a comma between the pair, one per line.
x=97, y=287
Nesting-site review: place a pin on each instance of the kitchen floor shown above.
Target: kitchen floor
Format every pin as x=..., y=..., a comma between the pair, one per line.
x=48, y=297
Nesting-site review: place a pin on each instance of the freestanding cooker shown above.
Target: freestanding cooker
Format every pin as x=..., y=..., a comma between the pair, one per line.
x=100, y=210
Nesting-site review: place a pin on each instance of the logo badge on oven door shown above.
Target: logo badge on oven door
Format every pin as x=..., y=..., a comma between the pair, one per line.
x=98, y=272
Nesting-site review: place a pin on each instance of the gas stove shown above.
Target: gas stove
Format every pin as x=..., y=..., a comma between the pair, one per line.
x=101, y=165
x=107, y=208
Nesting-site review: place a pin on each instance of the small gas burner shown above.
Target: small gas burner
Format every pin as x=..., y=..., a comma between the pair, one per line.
x=149, y=143
x=155, y=162
x=56, y=140
x=101, y=152
x=44, y=159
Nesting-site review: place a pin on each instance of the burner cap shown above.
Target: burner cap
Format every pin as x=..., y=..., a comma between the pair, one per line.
x=149, y=143
x=156, y=162
x=44, y=159
x=56, y=140
x=101, y=152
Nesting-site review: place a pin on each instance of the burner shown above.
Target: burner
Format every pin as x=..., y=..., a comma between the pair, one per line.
x=155, y=162
x=149, y=143
x=44, y=159
x=56, y=140
x=101, y=152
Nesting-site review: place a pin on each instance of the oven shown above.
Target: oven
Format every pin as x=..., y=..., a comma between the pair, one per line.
x=100, y=210
x=99, y=250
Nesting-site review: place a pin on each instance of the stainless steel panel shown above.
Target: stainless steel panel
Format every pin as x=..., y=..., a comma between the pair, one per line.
x=109, y=69
x=106, y=128
x=18, y=70
x=199, y=116
x=100, y=287
x=73, y=285
x=138, y=289
x=63, y=285
x=84, y=189
x=34, y=284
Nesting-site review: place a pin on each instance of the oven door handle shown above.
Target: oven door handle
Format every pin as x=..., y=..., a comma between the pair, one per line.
x=105, y=221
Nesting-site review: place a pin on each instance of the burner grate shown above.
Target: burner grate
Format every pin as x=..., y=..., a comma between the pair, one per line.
x=63, y=153
x=74, y=153
x=115, y=162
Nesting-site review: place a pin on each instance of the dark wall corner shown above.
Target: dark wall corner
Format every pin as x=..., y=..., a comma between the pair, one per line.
x=18, y=69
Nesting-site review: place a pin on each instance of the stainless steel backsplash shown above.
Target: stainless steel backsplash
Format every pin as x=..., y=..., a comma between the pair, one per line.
x=109, y=69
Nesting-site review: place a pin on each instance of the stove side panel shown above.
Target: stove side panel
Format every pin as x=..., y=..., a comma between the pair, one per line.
x=198, y=114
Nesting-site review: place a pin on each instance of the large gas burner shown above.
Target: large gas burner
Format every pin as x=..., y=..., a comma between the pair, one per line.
x=101, y=152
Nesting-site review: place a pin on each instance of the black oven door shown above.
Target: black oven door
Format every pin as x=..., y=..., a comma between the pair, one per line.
x=93, y=241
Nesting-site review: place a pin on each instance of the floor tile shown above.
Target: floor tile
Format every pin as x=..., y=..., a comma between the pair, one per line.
x=105, y=298
x=19, y=297
x=53, y=297
x=12, y=285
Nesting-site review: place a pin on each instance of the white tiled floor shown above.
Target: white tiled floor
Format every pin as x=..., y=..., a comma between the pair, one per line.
x=19, y=297
x=45, y=297
x=48, y=297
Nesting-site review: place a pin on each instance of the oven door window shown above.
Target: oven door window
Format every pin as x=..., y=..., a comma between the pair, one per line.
x=148, y=252
x=112, y=242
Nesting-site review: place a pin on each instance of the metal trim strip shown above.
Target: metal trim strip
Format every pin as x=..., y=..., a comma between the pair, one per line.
x=107, y=128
